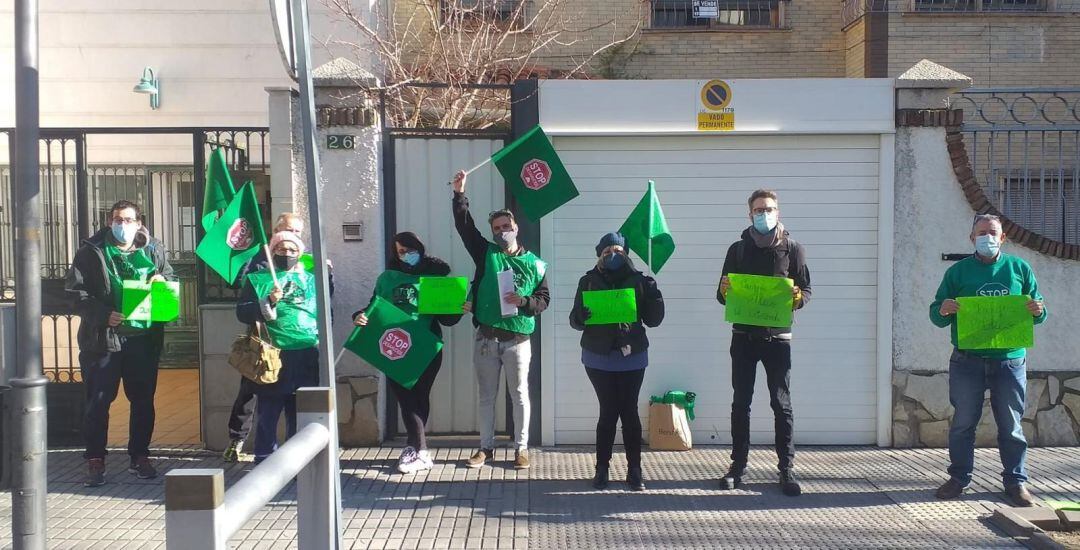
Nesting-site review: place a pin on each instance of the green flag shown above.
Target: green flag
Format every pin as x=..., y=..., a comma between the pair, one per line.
x=395, y=343
x=219, y=188
x=536, y=176
x=647, y=232
x=235, y=237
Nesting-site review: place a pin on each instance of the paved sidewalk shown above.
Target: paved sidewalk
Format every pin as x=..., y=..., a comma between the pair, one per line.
x=856, y=497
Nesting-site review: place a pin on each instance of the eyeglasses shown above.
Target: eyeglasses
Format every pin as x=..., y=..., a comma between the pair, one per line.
x=118, y=219
x=766, y=210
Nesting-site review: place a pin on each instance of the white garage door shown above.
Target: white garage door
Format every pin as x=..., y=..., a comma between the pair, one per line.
x=828, y=186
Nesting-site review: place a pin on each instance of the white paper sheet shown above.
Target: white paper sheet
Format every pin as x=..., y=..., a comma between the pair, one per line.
x=506, y=284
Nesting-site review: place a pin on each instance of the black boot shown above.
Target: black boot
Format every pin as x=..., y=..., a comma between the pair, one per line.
x=600, y=480
x=733, y=478
x=633, y=477
x=788, y=484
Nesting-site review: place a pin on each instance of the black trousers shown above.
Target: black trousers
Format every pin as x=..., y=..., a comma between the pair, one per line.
x=243, y=410
x=618, y=396
x=136, y=365
x=775, y=355
x=415, y=403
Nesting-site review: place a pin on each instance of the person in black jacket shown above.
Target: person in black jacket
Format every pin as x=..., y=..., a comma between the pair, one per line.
x=399, y=285
x=765, y=248
x=505, y=318
x=615, y=355
x=112, y=349
x=243, y=409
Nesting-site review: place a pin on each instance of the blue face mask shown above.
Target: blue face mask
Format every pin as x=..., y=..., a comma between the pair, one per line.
x=125, y=233
x=410, y=258
x=764, y=222
x=987, y=246
x=614, y=262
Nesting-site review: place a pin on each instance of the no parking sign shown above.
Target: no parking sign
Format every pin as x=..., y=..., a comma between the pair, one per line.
x=715, y=107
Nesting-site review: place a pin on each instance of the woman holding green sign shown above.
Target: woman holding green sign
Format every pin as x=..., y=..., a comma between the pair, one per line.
x=613, y=305
x=400, y=285
x=283, y=297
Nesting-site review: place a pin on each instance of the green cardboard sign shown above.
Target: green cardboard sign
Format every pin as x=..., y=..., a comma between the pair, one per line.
x=307, y=261
x=994, y=322
x=759, y=301
x=158, y=301
x=395, y=343
x=442, y=295
x=609, y=307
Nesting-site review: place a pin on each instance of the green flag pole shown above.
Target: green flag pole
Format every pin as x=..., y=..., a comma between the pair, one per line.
x=649, y=230
x=270, y=264
x=473, y=169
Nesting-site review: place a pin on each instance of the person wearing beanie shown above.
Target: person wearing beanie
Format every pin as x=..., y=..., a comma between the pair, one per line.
x=616, y=355
x=765, y=248
x=282, y=297
x=400, y=284
x=243, y=409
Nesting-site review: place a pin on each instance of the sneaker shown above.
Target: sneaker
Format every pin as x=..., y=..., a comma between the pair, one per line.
x=732, y=479
x=412, y=464
x=95, y=472
x=479, y=458
x=407, y=455
x=521, y=460
x=950, y=490
x=426, y=458
x=142, y=468
x=1020, y=496
x=600, y=480
x=788, y=484
x=232, y=452
x=634, y=478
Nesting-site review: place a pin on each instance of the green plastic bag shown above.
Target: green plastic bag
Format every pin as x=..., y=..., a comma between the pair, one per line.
x=684, y=399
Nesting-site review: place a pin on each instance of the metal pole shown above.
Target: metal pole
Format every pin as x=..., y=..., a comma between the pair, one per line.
x=28, y=489
x=302, y=39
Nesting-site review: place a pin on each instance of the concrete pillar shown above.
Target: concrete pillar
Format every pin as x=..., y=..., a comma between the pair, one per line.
x=193, y=500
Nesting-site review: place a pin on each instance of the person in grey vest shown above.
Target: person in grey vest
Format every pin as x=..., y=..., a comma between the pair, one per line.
x=502, y=334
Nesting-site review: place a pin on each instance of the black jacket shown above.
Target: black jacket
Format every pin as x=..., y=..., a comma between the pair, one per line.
x=87, y=285
x=603, y=339
x=788, y=259
x=477, y=245
x=428, y=266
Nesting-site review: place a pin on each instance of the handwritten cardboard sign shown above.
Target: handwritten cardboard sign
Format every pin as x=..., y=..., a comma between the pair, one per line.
x=609, y=307
x=994, y=322
x=442, y=295
x=759, y=301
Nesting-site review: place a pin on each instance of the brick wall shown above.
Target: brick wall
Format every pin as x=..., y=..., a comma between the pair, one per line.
x=855, y=58
x=995, y=50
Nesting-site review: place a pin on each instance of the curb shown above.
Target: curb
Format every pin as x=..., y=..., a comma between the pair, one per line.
x=1015, y=523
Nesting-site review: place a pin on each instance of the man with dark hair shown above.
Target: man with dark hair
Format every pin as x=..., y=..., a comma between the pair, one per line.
x=113, y=349
x=989, y=272
x=766, y=249
x=502, y=333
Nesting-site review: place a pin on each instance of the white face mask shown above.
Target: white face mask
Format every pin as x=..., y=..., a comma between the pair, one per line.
x=988, y=246
x=125, y=232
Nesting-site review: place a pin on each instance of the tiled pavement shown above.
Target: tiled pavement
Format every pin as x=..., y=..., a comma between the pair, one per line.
x=856, y=497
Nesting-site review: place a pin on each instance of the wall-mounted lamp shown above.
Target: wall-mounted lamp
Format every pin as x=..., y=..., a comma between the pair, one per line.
x=149, y=84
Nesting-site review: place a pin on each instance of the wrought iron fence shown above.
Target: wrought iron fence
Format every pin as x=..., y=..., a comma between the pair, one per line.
x=1024, y=147
x=683, y=14
x=852, y=10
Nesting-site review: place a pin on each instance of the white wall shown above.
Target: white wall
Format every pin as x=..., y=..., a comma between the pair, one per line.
x=933, y=217
x=214, y=58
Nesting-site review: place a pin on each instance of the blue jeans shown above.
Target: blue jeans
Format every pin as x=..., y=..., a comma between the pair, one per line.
x=969, y=377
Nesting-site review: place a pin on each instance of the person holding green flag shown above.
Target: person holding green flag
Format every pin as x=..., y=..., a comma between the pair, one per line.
x=283, y=298
x=509, y=290
x=989, y=272
x=399, y=285
x=111, y=349
x=616, y=355
x=765, y=248
x=243, y=408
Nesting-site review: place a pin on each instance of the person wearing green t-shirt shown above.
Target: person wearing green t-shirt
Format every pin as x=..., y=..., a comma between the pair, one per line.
x=989, y=272
x=502, y=333
x=113, y=349
x=284, y=300
x=400, y=285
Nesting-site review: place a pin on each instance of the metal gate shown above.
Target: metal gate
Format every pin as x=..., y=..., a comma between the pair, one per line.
x=83, y=172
